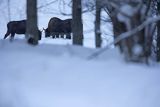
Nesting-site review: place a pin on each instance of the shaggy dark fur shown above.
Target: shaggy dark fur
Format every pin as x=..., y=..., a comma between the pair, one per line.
x=18, y=27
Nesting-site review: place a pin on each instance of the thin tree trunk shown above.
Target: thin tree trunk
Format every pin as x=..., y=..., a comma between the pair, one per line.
x=32, y=29
x=158, y=33
x=77, y=26
x=98, y=39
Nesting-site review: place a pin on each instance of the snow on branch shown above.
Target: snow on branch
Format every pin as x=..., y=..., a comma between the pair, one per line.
x=125, y=35
x=137, y=29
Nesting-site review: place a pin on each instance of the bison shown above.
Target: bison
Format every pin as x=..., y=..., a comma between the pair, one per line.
x=54, y=27
x=18, y=27
x=58, y=27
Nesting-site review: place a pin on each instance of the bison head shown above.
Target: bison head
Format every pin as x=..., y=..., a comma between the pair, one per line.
x=39, y=35
x=47, y=34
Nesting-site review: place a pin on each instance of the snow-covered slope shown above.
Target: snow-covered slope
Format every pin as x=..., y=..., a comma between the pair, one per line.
x=60, y=76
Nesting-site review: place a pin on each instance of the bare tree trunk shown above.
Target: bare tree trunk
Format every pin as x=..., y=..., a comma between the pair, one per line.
x=98, y=39
x=32, y=29
x=118, y=28
x=77, y=26
x=136, y=47
x=158, y=33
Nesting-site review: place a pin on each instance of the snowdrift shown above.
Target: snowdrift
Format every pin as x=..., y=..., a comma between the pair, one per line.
x=50, y=75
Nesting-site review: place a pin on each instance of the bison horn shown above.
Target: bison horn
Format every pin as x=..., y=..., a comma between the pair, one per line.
x=44, y=29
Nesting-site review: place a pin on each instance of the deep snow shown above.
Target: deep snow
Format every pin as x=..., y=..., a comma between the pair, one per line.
x=61, y=76
x=57, y=74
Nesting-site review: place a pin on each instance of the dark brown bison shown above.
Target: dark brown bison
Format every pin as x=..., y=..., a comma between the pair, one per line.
x=18, y=27
x=58, y=27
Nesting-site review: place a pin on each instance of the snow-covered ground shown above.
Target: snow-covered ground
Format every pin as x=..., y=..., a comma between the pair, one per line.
x=50, y=75
x=57, y=74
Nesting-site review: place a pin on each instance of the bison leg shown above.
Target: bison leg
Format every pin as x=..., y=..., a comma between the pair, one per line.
x=62, y=35
x=68, y=36
x=57, y=35
x=6, y=35
x=47, y=35
x=53, y=36
x=12, y=36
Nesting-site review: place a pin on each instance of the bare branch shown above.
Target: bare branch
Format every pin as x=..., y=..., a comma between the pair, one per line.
x=47, y=4
x=126, y=35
